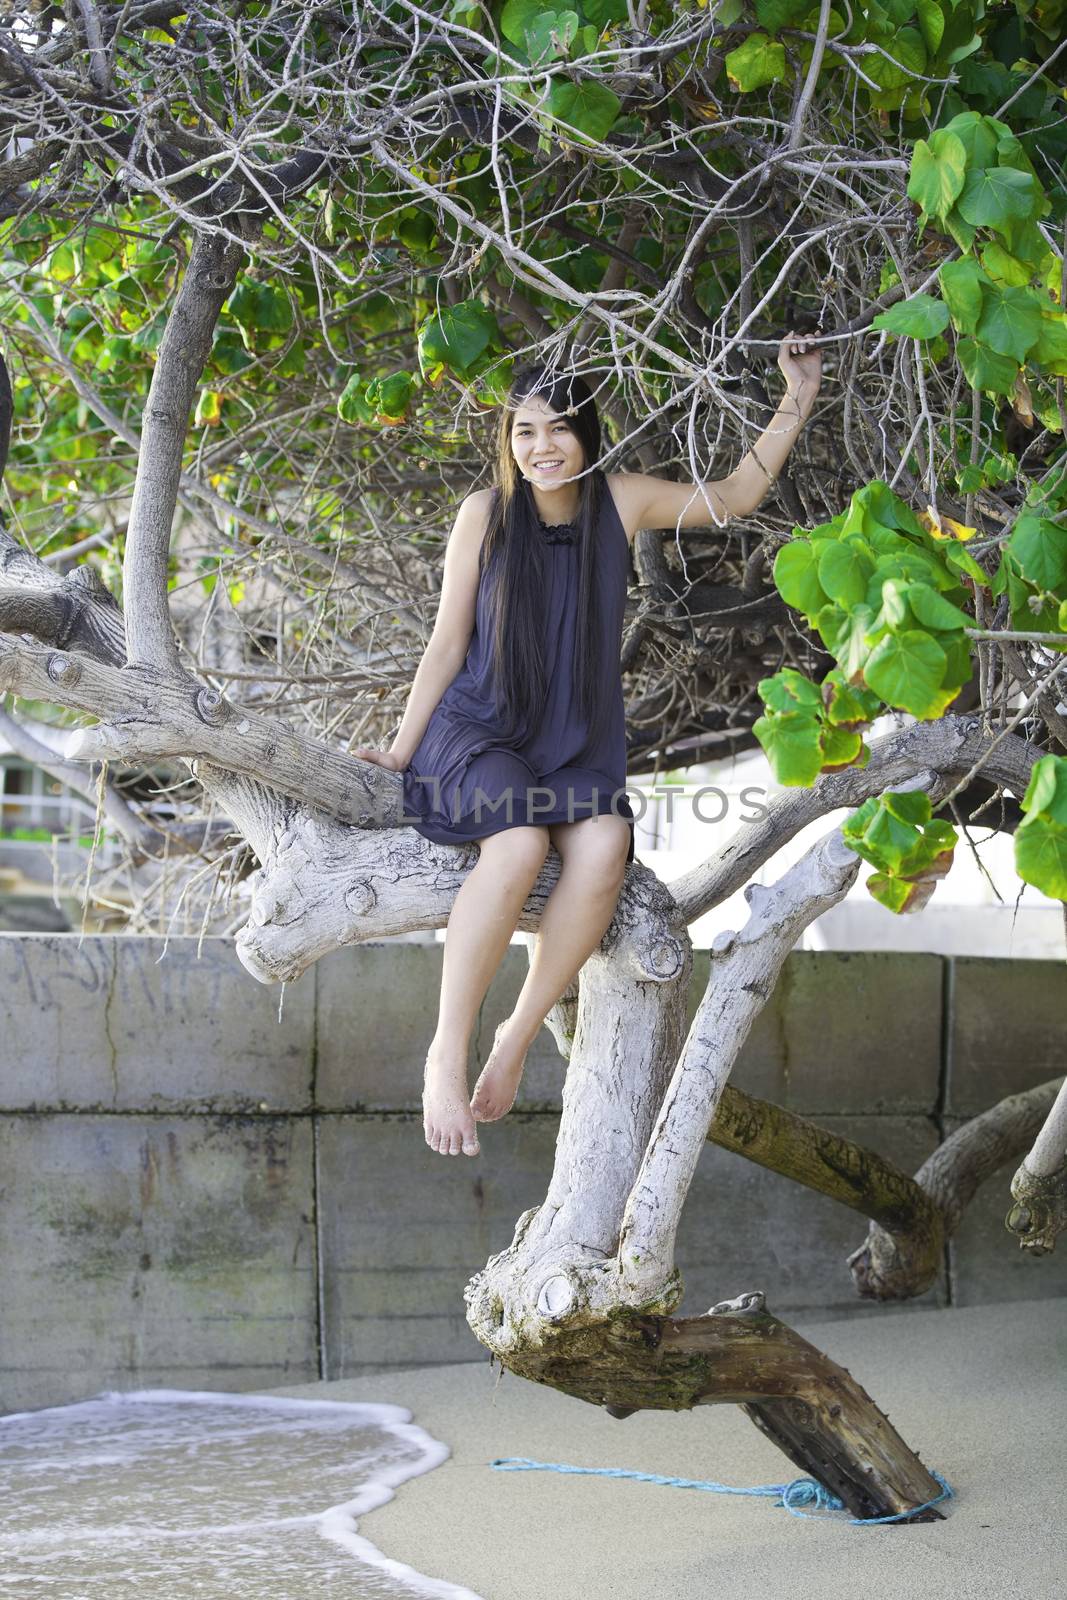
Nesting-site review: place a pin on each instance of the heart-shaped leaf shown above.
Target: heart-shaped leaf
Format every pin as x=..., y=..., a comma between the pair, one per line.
x=907, y=669
x=921, y=317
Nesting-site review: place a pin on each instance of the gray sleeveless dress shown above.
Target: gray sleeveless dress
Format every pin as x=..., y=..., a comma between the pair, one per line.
x=466, y=780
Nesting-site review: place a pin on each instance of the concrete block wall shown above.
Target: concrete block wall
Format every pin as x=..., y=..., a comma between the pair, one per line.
x=211, y=1184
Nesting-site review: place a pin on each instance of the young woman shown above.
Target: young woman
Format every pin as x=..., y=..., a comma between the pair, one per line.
x=513, y=733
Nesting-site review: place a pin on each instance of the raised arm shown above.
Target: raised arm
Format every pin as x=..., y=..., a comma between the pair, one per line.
x=651, y=502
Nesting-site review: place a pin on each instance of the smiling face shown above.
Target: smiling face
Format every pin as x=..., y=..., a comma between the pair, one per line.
x=548, y=453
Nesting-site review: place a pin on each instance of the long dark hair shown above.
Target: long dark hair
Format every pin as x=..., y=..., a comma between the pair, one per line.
x=513, y=537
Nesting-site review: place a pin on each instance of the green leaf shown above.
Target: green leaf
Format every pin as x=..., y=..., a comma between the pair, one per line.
x=875, y=507
x=257, y=305
x=494, y=383
x=934, y=611
x=978, y=138
x=844, y=634
x=352, y=404
x=896, y=833
x=880, y=838
x=757, y=62
x=1042, y=837
x=517, y=16
x=550, y=35
x=378, y=313
x=388, y=397
x=1047, y=790
x=1050, y=351
x=1004, y=267
x=994, y=197
x=1041, y=855
x=456, y=336
x=1012, y=153
x=846, y=705
x=896, y=894
x=1040, y=549
x=909, y=805
x=907, y=669
x=962, y=283
x=965, y=564
x=841, y=747
x=921, y=317
x=1010, y=322
x=906, y=55
x=796, y=577
x=604, y=11
x=790, y=690
x=792, y=742
x=844, y=571
x=961, y=231
x=938, y=171
x=932, y=27
x=588, y=106
x=894, y=613
x=208, y=408
x=986, y=369
x=775, y=14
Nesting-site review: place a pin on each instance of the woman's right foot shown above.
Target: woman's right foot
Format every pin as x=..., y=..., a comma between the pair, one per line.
x=446, y=1114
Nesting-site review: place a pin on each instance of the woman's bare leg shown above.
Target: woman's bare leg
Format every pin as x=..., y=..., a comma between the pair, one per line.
x=575, y=919
x=483, y=918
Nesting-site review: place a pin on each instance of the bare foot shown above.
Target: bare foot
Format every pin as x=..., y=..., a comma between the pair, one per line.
x=498, y=1083
x=446, y=1114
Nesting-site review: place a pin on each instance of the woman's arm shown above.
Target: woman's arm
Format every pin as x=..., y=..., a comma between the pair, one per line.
x=660, y=503
x=447, y=649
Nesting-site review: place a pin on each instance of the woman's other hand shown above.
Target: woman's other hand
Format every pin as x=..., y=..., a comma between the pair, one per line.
x=381, y=758
x=801, y=362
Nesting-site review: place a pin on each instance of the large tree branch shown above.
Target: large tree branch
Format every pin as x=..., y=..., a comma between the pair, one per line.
x=950, y=746
x=848, y=1172
x=209, y=278
x=74, y=612
x=146, y=716
x=896, y=1262
x=146, y=838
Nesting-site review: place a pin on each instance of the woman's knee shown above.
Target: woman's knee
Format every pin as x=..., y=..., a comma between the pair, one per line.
x=600, y=845
x=519, y=850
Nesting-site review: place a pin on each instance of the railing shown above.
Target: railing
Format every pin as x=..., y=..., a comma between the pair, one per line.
x=68, y=812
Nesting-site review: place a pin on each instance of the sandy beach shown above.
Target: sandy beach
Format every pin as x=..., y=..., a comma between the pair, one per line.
x=980, y=1393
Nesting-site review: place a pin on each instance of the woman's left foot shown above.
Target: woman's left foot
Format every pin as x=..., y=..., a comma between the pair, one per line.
x=498, y=1083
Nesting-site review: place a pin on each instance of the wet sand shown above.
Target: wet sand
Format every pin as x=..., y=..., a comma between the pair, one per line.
x=980, y=1393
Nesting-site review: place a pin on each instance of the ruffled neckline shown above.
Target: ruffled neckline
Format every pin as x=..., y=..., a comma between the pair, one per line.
x=558, y=532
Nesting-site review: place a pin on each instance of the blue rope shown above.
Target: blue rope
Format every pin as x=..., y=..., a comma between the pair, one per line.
x=801, y=1492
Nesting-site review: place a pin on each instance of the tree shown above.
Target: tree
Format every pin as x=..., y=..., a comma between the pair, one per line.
x=326, y=232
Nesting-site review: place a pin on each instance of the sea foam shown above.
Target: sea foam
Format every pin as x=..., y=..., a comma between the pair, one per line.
x=191, y=1495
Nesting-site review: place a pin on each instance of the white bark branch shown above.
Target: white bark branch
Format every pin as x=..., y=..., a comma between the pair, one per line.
x=744, y=970
x=145, y=837
x=1039, y=1188
x=1050, y=1146
x=146, y=717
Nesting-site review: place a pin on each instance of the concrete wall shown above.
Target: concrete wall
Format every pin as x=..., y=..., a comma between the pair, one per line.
x=210, y=1184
